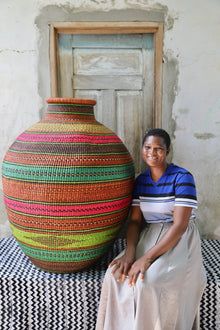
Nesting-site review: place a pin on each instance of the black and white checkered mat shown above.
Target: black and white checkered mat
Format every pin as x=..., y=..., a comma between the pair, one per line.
x=31, y=299
x=210, y=304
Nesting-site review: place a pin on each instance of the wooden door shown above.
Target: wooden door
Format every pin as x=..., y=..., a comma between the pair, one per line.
x=117, y=71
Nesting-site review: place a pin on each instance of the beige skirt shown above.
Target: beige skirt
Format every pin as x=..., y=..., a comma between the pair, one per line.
x=169, y=296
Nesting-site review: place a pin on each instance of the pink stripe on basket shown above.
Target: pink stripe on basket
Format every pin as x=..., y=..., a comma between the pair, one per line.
x=67, y=210
x=65, y=138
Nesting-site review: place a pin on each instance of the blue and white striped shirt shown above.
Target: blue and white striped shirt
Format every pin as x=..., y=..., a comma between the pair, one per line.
x=176, y=187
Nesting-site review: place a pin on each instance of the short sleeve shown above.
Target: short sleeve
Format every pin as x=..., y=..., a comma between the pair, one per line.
x=136, y=193
x=185, y=191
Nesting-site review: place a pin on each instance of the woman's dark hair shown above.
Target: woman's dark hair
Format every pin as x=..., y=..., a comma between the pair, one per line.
x=158, y=132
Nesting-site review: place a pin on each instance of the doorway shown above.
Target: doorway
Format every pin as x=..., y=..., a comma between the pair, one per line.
x=119, y=66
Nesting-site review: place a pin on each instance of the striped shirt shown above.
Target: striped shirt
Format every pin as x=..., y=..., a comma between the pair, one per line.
x=176, y=187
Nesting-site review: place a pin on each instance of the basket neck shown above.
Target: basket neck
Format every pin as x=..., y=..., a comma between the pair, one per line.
x=70, y=112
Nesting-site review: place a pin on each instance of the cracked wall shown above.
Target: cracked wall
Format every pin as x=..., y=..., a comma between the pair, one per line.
x=191, y=81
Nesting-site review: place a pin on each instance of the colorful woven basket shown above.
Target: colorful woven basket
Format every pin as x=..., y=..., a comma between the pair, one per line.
x=67, y=185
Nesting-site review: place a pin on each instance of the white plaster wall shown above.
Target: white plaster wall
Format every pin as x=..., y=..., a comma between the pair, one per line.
x=18, y=77
x=193, y=41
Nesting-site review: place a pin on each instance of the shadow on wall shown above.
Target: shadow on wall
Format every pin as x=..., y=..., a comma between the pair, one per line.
x=5, y=230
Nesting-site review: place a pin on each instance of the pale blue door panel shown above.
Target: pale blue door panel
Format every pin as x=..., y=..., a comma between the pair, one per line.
x=116, y=70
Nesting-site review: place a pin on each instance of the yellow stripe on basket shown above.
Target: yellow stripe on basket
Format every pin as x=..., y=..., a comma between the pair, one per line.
x=75, y=127
x=60, y=242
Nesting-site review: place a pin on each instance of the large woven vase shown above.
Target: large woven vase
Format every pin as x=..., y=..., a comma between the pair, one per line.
x=67, y=185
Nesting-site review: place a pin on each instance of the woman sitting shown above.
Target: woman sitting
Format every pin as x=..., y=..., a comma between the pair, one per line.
x=158, y=281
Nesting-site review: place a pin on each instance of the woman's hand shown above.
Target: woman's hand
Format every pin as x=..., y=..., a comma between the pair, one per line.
x=121, y=266
x=138, y=268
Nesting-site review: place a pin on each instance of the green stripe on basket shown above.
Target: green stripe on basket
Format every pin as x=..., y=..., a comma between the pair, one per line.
x=72, y=241
x=62, y=256
x=70, y=174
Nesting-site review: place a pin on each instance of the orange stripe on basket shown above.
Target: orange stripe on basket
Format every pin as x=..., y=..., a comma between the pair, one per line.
x=59, y=193
x=68, y=160
x=68, y=138
x=68, y=224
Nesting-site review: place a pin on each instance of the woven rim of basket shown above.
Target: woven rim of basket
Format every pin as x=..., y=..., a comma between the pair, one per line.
x=70, y=100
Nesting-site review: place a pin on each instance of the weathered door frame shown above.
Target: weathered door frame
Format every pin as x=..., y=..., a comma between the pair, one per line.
x=156, y=28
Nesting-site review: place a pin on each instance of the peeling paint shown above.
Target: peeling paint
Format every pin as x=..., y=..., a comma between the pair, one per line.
x=171, y=17
x=184, y=111
x=170, y=90
x=179, y=127
x=169, y=22
x=17, y=51
x=204, y=136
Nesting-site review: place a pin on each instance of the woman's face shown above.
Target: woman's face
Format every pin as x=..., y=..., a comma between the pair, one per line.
x=154, y=151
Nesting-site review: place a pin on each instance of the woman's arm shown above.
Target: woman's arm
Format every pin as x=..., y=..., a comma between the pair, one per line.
x=133, y=230
x=181, y=219
x=123, y=264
